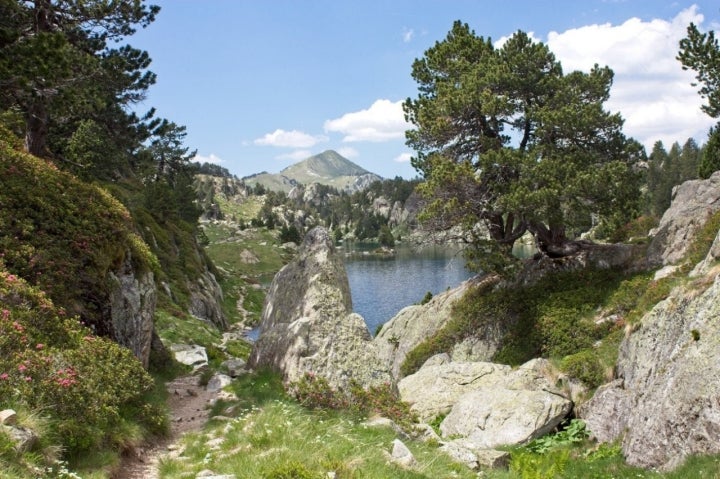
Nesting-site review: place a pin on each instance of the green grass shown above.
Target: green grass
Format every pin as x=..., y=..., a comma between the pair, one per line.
x=272, y=436
x=239, y=279
x=185, y=329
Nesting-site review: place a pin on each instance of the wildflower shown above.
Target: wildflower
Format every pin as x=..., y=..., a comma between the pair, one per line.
x=5, y=313
x=21, y=367
x=39, y=346
x=4, y=376
x=11, y=278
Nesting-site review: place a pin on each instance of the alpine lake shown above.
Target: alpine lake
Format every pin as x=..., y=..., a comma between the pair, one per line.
x=383, y=284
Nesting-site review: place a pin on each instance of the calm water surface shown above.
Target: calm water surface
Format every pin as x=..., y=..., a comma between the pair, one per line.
x=382, y=286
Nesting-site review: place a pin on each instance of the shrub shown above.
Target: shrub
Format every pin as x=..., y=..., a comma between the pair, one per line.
x=584, y=366
x=315, y=392
x=50, y=362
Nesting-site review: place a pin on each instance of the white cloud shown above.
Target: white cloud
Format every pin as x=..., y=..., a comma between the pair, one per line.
x=383, y=121
x=348, y=152
x=650, y=89
x=208, y=159
x=403, y=157
x=296, y=155
x=290, y=139
x=408, y=34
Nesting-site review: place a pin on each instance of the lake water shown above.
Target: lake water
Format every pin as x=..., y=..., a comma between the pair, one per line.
x=381, y=286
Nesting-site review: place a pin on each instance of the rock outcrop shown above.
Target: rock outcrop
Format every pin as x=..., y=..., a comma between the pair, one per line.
x=692, y=203
x=486, y=405
x=206, y=299
x=665, y=403
x=132, y=300
x=413, y=324
x=307, y=324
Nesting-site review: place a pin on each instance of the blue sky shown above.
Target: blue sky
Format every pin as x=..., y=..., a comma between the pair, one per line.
x=262, y=84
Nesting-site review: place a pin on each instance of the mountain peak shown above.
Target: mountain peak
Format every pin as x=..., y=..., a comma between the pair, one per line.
x=328, y=164
x=327, y=168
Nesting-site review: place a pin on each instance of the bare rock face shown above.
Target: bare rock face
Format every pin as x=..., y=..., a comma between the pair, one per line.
x=692, y=203
x=132, y=301
x=413, y=324
x=307, y=324
x=206, y=299
x=666, y=399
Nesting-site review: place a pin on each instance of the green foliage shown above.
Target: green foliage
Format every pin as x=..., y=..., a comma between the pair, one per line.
x=64, y=235
x=314, y=392
x=528, y=465
x=710, y=157
x=701, y=52
x=385, y=237
x=701, y=243
x=484, y=118
x=585, y=366
x=50, y=362
x=552, y=318
x=667, y=170
x=292, y=470
x=290, y=235
x=635, y=229
x=427, y=298
x=573, y=433
x=69, y=53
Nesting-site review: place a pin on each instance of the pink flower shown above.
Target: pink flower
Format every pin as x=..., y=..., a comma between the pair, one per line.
x=28, y=378
x=39, y=346
x=4, y=376
x=5, y=313
x=11, y=278
x=21, y=367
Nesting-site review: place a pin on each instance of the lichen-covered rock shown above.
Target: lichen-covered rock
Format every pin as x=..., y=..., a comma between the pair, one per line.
x=468, y=453
x=307, y=325
x=496, y=416
x=437, y=386
x=132, y=300
x=414, y=324
x=692, y=203
x=206, y=299
x=189, y=355
x=666, y=401
x=489, y=404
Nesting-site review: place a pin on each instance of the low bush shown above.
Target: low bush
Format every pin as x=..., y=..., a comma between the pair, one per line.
x=314, y=392
x=50, y=362
x=585, y=366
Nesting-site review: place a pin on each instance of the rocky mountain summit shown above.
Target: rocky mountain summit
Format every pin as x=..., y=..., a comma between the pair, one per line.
x=327, y=168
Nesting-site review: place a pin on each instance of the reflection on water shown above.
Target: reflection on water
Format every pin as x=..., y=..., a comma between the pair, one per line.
x=383, y=285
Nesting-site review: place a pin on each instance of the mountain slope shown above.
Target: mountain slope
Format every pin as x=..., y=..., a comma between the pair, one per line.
x=327, y=168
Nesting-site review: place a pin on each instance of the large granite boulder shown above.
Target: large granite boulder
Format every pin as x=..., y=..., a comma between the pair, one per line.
x=307, y=324
x=692, y=203
x=414, y=324
x=438, y=385
x=487, y=405
x=497, y=416
x=665, y=404
x=132, y=300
